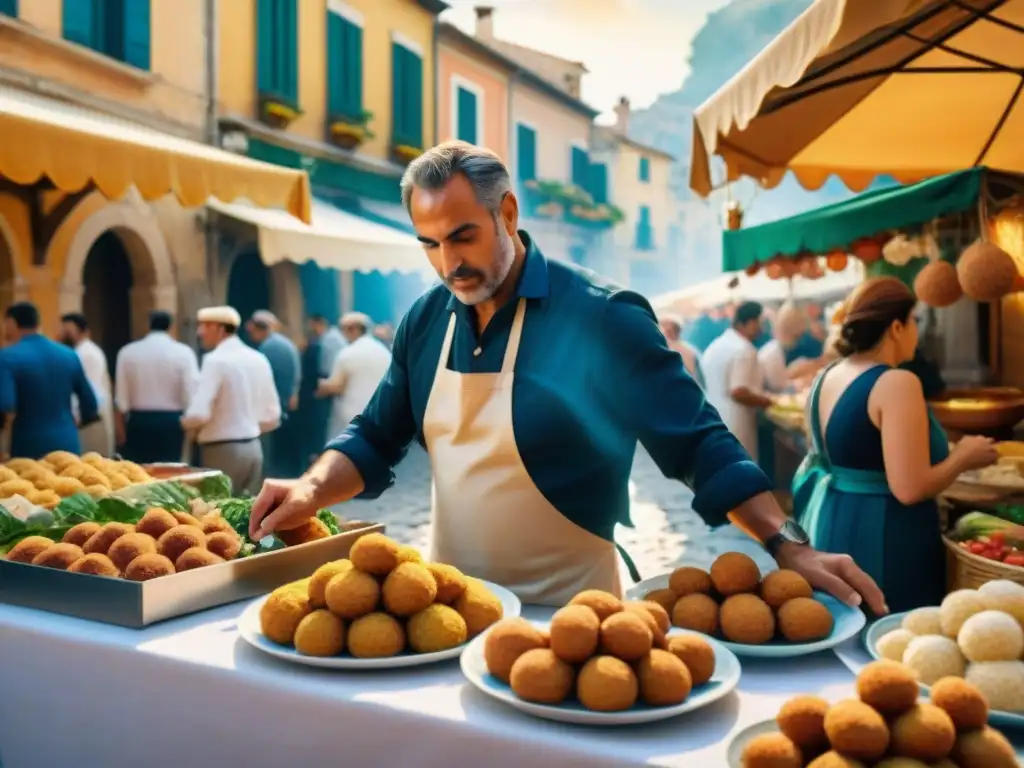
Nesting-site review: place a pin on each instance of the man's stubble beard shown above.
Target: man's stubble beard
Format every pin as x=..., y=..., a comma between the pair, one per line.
x=506, y=253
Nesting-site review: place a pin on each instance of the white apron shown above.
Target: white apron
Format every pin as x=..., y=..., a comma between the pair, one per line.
x=488, y=518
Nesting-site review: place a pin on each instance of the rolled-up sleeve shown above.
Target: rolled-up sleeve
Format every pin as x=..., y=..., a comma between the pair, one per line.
x=649, y=392
x=379, y=437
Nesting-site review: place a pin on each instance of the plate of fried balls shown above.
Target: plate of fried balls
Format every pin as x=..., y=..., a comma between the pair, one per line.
x=600, y=661
x=887, y=725
x=383, y=607
x=778, y=615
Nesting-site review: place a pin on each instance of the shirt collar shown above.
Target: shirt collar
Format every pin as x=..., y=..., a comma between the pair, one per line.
x=533, y=280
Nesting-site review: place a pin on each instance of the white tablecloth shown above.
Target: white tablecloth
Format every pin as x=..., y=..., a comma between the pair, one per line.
x=192, y=693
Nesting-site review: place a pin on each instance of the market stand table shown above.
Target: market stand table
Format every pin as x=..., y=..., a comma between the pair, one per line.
x=191, y=692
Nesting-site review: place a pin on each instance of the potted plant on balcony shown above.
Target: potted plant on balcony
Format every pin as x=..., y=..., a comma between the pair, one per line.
x=349, y=131
x=276, y=111
x=405, y=152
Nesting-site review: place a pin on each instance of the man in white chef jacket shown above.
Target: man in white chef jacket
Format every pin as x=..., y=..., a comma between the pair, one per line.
x=236, y=401
x=357, y=371
x=97, y=437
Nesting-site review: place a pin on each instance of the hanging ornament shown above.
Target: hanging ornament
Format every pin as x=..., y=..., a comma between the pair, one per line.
x=837, y=260
x=937, y=285
x=986, y=272
x=752, y=270
x=773, y=269
x=900, y=250
x=867, y=250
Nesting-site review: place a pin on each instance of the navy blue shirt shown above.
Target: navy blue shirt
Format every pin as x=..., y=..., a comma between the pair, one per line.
x=593, y=376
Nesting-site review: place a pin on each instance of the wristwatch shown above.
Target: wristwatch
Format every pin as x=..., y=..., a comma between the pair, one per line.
x=789, y=533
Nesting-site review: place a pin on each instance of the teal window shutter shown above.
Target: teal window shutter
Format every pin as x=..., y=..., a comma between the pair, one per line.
x=79, y=22
x=344, y=67
x=414, y=76
x=277, y=49
x=289, y=54
x=9, y=8
x=265, y=25
x=398, y=102
x=137, y=33
x=644, y=231
x=645, y=169
x=598, y=187
x=580, y=168
x=526, y=153
x=407, y=96
x=466, y=106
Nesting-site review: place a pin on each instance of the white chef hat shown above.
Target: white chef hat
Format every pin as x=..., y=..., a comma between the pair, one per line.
x=224, y=315
x=265, y=317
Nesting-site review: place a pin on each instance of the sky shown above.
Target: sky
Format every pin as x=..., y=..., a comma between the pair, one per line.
x=634, y=48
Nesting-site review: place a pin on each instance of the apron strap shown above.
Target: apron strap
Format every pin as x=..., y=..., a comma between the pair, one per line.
x=634, y=573
x=446, y=345
x=814, y=416
x=514, y=336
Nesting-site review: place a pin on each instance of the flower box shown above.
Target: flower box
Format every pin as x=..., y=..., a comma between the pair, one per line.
x=277, y=112
x=406, y=153
x=349, y=132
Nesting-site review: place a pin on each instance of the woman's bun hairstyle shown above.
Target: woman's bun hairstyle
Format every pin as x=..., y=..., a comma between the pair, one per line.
x=871, y=310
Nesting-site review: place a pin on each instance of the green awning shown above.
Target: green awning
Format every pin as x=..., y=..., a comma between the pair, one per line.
x=840, y=224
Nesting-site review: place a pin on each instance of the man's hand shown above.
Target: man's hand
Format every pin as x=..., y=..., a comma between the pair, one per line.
x=293, y=403
x=281, y=506
x=836, y=574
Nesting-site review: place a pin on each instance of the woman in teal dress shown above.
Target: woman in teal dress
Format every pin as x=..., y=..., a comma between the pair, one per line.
x=881, y=458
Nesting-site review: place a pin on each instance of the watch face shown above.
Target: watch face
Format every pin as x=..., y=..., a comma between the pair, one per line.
x=793, y=532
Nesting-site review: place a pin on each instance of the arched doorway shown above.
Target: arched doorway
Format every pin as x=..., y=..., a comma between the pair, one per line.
x=248, y=287
x=107, y=280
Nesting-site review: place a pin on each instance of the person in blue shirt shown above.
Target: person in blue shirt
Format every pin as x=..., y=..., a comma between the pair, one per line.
x=530, y=382
x=282, y=452
x=43, y=375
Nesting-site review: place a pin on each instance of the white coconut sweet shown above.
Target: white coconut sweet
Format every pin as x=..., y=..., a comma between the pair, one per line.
x=991, y=636
x=957, y=608
x=923, y=621
x=892, y=645
x=1004, y=595
x=934, y=657
x=1000, y=682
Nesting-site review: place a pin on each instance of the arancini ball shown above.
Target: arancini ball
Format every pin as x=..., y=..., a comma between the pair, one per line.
x=101, y=540
x=149, y=566
x=606, y=684
x=696, y=612
x=436, y=628
x=664, y=680
x=901, y=762
x=575, y=632
x=888, y=687
x=689, y=581
x=805, y=620
x=772, y=750
x=26, y=550
x=802, y=719
x=892, y=645
x=214, y=524
x=984, y=748
x=281, y=613
x=375, y=636
x=696, y=653
x=156, y=522
x=451, y=583
x=541, y=677
x=856, y=730
x=312, y=529
x=735, y=573
x=320, y=633
x=81, y=533
x=129, y=547
x=94, y=565
x=479, y=607
x=923, y=621
x=747, y=619
x=196, y=557
x=960, y=700
x=657, y=635
x=184, y=518
x=833, y=759
x=604, y=604
x=407, y=554
x=224, y=544
x=178, y=539
x=956, y=608
x=923, y=732
x=626, y=636
x=352, y=593
x=374, y=553
x=661, y=616
x=783, y=585
x=321, y=576
x=666, y=598
x=408, y=589
x=59, y=556
x=511, y=638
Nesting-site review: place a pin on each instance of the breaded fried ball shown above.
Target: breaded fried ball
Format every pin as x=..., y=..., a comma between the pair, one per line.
x=892, y=645
x=61, y=458
x=782, y=585
x=92, y=457
x=94, y=565
x=833, y=759
x=747, y=619
x=312, y=529
x=802, y=720
x=960, y=700
x=26, y=550
x=654, y=610
x=664, y=680
x=541, y=677
x=196, y=557
x=575, y=633
x=626, y=636
x=185, y=518
x=606, y=684
x=436, y=628
x=149, y=566
x=479, y=607
x=856, y=730
x=772, y=750
x=118, y=480
x=178, y=539
x=38, y=476
x=129, y=547
x=103, y=538
x=352, y=593
x=375, y=636
x=689, y=581
x=984, y=748
x=75, y=470
x=281, y=613
x=696, y=653
x=604, y=604
x=17, y=487
x=97, y=491
x=657, y=636
x=889, y=687
x=451, y=583
x=156, y=522
x=79, y=534
x=223, y=544
x=213, y=523
x=47, y=499
x=511, y=638
x=735, y=573
x=321, y=576
x=374, y=553
x=408, y=589
x=805, y=620
x=67, y=486
x=6, y=474
x=320, y=633
x=923, y=621
x=407, y=554
x=923, y=732
x=696, y=612
x=901, y=762
x=58, y=556
x=666, y=598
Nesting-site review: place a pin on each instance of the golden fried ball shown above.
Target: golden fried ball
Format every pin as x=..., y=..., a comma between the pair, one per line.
x=436, y=628
x=541, y=677
x=214, y=523
x=833, y=759
x=664, y=679
x=196, y=557
x=58, y=556
x=90, y=476
x=374, y=553
x=20, y=465
x=67, y=486
x=320, y=633
x=856, y=730
x=887, y=686
x=696, y=653
x=352, y=594
x=223, y=544
x=101, y=541
x=26, y=550
x=74, y=470
x=661, y=616
x=149, y=566
x=657, y=636
x=47, y=499
x=94, y=458
x=184, y=518
x=479, y=607
x=39, y=477
x=735, y=573
x=696, y=612
x=134, y=472
x=61, y=458
x=626, y=636
x=689, y=581
x=6, y=473
x=603, y=603
x=923, y=732
x=118, y=480
x=666, y=598
x=804, y=620
x=984, y=748
x=606, y=684
x=451, y=583
x=408, y=554
x=408, y=589
x=782, y=585
x=772, y=750
x=375, y=635
x=281, y=613
x=97, y=491
x=511, y=638
x=129, y=547
x=961, y=701
x=94, y=565
x=802, y=720
x=79, y=534
x=321, y=576
x=17, y=487
x=312, y=529
x=747, y=619
x=178, y=539
x=575, y=632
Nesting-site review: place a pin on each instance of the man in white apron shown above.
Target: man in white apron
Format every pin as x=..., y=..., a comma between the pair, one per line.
x=530, y=383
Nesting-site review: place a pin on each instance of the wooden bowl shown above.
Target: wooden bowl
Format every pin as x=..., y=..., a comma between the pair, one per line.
x=991, y=409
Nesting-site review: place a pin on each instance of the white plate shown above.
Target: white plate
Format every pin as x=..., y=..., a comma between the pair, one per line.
x=249, y=629
x=740, y=740
x=727, y=675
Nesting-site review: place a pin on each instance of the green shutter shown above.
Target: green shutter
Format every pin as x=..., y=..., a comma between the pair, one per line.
x=414, y=84
x=344, y=67
x=526, y=153
x=466, y=104
x=265, y=26
x=580, y=167
x=79, y=22
x=406, y=96
x=137, y=33
x=289, y=49
x=9, y=8
x=398, y=104
x=598, y=182
x=644, y=231
x=645, y=169
x=277, y=49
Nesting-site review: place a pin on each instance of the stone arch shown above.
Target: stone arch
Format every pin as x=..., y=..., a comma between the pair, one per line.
x=286, y=298
x=12, y=285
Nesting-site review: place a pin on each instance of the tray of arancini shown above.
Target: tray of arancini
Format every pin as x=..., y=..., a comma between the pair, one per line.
x=162, y=592
x=777, y=615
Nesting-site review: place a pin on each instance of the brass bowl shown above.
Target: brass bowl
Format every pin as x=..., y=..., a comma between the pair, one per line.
x=979, y=410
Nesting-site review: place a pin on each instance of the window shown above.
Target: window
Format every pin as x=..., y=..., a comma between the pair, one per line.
x=645, y=169
x=118, y=28
x=466, y=120
x=344, y=66
x=644, y=231
x=598, y=187
x=9, y=8
x=406, y=95
x=580, y=168
x=277, y=45
x=526, y=153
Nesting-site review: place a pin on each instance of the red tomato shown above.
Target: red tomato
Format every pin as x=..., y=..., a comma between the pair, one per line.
x=976, y=547
x=998, y=538
x=1015, y=558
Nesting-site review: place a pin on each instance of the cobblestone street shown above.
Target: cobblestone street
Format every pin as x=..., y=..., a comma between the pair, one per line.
x=667, y=530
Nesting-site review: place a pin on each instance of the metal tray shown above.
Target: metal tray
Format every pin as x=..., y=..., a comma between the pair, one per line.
x=138, y=604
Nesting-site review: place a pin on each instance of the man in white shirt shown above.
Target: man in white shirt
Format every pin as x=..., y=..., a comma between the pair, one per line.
x=98, y=436
x=358, y=370
x=732, y=376
x=154, y=381
x=235, y=403
x=789, y=326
